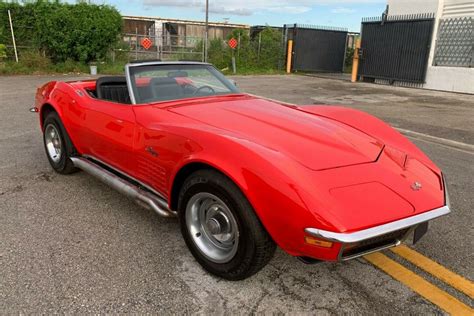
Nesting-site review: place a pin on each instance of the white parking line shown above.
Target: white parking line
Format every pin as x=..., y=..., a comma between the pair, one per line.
x=438, y=140
x=439, y=144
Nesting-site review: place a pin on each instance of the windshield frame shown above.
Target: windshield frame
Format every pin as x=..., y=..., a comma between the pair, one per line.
x=131, y=69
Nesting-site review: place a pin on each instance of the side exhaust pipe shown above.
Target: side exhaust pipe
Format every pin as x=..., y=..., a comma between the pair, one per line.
x=147, y=199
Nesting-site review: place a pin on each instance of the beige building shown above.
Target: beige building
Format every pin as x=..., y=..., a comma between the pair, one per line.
x=180, y=33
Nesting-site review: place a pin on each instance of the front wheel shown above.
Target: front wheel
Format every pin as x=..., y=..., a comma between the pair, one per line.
x=220, y=227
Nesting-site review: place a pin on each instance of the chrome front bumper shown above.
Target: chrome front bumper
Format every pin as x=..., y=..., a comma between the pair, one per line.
x=404, y=226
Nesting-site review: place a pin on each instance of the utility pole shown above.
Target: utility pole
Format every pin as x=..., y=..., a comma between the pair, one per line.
x=206, y=33
x=13, y=35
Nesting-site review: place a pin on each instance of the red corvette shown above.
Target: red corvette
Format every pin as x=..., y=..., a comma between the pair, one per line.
x=243, y=174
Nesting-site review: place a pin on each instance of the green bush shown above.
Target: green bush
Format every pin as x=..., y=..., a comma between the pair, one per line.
x=34, y=60
x=249, y=55
x=3, y=52
x=349, y=59
x=81, y=32
x=70, y=66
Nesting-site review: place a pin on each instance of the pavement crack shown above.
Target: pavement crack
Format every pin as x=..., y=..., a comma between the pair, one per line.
x=15, y=189
x=259, y=301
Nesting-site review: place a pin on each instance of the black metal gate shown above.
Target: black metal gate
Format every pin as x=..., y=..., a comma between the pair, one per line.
x=316, y=48
x=397, y=48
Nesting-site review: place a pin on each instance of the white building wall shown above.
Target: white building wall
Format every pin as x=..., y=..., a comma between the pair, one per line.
x=455, y=79
x=457, y=8
x=399, y=7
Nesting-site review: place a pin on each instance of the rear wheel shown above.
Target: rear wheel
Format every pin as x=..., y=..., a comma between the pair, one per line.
x=58, y=145
x=220, y=227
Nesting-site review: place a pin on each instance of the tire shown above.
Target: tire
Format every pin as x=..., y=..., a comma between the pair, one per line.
x=59, y=160
x=207, y=200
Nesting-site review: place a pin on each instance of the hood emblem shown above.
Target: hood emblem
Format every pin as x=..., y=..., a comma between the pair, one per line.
x=416, y=186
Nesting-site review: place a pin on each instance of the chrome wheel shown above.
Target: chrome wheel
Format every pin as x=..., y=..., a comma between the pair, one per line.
x=213, y=227
x=53, y=143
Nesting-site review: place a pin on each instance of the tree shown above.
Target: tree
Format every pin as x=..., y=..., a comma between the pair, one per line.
x=81, y=32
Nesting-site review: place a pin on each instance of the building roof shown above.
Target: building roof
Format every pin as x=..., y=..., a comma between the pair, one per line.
x=179, y=21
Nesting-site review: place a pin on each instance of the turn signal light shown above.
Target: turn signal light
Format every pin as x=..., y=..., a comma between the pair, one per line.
x=317, y=242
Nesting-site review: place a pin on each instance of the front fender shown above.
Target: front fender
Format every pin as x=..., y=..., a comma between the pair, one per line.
x=273, y=184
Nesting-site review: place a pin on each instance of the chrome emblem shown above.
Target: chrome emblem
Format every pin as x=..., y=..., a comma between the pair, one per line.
x=416, y=186
x=151, y=151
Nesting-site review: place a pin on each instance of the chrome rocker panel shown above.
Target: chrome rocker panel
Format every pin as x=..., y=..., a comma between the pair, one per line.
x=146, y=198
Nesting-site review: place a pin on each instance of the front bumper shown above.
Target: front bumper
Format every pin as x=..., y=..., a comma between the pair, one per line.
x=376, y=238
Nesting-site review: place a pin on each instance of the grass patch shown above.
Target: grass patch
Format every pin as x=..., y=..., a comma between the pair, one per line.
x=252, y=71
x=34, y=63
x=41, y=67
x=10, y=68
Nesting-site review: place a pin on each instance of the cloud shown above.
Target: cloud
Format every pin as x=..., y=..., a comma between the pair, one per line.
x=342, y=10
x=231, y=11
x=290, y=9
x=248, y=7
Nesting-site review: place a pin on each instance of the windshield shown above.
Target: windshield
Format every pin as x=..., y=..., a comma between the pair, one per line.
x=165, y=82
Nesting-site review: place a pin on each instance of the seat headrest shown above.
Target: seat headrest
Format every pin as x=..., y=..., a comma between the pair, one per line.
x=113, y=88
x=111, y=80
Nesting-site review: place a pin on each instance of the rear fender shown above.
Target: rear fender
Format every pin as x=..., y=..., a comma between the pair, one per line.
x=53, y=94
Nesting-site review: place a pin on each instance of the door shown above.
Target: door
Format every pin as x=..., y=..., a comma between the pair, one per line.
x=108, y=129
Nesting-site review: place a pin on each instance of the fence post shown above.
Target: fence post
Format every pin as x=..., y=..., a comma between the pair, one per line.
x=238, y=48
x=13, y=35
x=203, y=51
x=234, y=67
x=288, y=56
x=136, y=43
x=157, y=47
x=259, y=45
x=284, y=38
x=355, y=63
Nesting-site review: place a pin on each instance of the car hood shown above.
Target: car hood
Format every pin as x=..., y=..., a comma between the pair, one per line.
x=315, y=142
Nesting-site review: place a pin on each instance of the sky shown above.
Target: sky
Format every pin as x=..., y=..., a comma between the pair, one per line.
x=341, y=13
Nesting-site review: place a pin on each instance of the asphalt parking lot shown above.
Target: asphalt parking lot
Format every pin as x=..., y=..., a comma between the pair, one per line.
x=69, y=244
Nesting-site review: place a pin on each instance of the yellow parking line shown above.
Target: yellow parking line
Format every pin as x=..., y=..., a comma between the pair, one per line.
x=435, y=295
x=437, y=270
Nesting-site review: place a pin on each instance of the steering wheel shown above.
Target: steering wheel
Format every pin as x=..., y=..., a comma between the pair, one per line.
x=204, y=87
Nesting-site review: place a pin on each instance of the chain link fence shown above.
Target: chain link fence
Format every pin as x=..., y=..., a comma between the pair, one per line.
x=136, y=46
x=22, y=46
x=455, y=43
x=263, y=51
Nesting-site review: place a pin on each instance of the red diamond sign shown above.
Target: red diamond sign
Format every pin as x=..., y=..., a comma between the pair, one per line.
x=146, y=43
x=232, y=43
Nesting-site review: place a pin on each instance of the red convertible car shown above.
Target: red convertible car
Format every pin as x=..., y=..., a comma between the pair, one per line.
x=242, y=173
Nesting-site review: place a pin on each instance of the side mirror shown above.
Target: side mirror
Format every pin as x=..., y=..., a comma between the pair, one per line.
x=233, y=82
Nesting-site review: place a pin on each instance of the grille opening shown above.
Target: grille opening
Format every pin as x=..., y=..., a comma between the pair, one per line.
x=373, y=243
